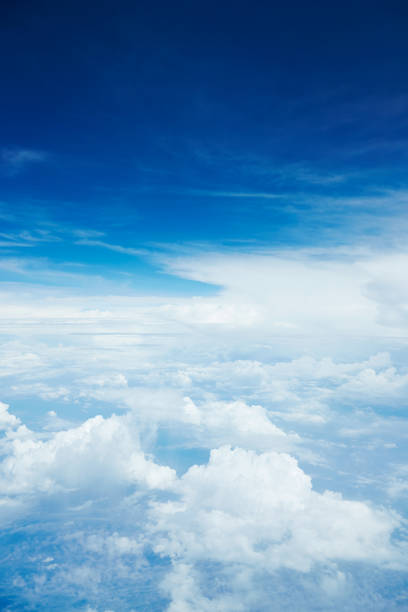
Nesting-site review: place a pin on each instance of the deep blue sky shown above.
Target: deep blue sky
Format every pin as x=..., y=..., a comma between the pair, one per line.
x=145, y=120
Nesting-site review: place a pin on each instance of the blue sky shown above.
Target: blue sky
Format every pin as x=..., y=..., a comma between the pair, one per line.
x=203, y=306
x=141, y=120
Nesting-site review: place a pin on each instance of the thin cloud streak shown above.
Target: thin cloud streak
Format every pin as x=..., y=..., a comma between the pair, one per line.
x=15, y=160
x=112, y=247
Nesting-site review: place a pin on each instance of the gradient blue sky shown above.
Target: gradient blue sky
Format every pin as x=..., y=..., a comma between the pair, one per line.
x=203, y=306
x=212, y=122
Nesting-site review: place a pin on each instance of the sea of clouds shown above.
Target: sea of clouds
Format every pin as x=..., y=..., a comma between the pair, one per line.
x=244, y=451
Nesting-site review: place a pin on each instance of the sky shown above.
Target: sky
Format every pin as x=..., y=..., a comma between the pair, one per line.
x=203, y=306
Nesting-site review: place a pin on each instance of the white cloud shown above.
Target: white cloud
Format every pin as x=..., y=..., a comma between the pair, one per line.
x=307, y=292
x=111, y=247
x=98, y=455
x=87, y=234
x=397, y=485
x=221, y=422
x=193, y=374
x=206, y=422
x=261, y=510
x=112, y=545
x=7, y=420
x=182, y=584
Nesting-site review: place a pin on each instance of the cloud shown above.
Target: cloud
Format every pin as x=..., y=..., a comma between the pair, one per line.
x=11, y=244
x=27, y=238
x=128, y=389
x=322, y=292
x=248, y=512
x=261, y=510
x=7, y=420
x=112, y=247
x=15, y=160
x=236, y=422
x=100, y=454
x=87, y=233
x=39, y=235
x=397, y=484
x=202, y=422
x=238, y=194
x=245, y=519
x=182, y=584
x=42, y=271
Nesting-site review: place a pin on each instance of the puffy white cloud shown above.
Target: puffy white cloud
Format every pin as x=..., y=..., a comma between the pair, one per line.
x=114, y=544
x=220, y=422
x=385, y=387
x=261, y=510
x=99, y=454
x=206, y=422
x=208, y=372
x=182, y=584
x=7, y=420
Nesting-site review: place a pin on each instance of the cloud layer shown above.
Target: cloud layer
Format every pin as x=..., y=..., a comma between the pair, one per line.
x=242, y=451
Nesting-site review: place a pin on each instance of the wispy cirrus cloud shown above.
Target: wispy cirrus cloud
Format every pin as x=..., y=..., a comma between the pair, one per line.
x=14, y=160
x=11, y=244
x=112, y=247
x=27, y=238
x=235, y=194
x=374, y=198
x=87, y=234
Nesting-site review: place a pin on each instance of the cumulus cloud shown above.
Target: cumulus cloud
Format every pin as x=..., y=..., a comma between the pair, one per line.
x=182, y=584
x=180, y=376
x=261, y=510
x=101, y=454
x=7, y=420
x=219, y=422
x=205, y=421
x=249, y=512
